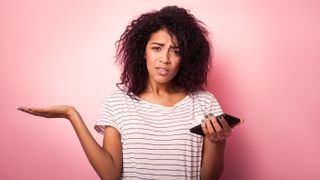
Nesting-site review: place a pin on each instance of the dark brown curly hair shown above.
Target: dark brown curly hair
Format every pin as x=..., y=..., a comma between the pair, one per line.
x=194, y=49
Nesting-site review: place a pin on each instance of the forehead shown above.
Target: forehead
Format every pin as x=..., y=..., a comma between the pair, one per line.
x=164, y=37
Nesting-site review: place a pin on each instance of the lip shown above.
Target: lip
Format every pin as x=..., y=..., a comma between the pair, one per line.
x=162, y=71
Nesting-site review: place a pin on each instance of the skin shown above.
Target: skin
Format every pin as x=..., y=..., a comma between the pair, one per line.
x=106, y=160
x=162, y=52
x=163, y=62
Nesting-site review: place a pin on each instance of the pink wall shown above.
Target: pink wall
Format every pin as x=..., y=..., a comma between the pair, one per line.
x=266, y=69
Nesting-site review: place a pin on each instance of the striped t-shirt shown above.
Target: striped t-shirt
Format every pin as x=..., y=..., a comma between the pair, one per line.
x=156, y=141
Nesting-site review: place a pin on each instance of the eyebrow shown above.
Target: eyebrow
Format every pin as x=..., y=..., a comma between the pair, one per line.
x=161, y=44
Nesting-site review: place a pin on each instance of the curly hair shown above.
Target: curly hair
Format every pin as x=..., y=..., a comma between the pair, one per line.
x=194, y=49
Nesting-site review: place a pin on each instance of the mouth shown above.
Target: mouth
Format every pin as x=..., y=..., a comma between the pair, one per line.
x=162, y=71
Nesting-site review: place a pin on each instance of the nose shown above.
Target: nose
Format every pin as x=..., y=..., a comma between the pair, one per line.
x=165, y=57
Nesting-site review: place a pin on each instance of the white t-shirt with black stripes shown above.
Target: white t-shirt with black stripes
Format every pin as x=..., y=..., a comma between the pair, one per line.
x=156, y=140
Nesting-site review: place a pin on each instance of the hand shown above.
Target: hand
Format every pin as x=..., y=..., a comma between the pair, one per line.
x=60, y=111
x=214, y=131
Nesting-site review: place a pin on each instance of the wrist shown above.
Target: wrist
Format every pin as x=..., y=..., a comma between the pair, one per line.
x=216, y=144
x=72, y=114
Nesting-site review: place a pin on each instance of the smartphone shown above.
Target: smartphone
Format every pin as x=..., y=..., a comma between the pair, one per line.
x=231, y=120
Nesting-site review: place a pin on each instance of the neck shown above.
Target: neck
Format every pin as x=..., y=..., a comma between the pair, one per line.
x=161, y=89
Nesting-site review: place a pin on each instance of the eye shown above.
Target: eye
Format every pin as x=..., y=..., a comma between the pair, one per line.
x=176, y=51
x=156, y=48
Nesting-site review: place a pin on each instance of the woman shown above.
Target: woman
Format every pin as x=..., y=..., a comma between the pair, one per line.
x=164, y=57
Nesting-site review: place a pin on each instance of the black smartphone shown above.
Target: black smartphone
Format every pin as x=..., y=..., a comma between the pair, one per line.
x=232, y=121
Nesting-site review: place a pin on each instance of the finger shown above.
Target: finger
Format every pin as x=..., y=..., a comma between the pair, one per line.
x=226, y=128
x=209, y=126
x=220, y=134
x=217, y=127
x=204, y=128
x=210, y=117
x=241, y=120
x=36, y=111
x=21, y=109
x=216, y=124
x=213, y=136
x=26, y=109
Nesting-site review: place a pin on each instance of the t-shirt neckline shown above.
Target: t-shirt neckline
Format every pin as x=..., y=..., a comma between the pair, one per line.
x=162, y=106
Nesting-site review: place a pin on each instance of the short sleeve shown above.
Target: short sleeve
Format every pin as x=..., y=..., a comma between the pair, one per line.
x=107, y=117
x=215, y=107
x=212, y=105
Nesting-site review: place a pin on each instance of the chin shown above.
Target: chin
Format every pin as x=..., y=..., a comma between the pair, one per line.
x=163, y=80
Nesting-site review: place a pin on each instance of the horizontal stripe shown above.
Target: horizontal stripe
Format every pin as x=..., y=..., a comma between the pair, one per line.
x=156, y=141
x=148, y=139
x=132, y=154
x=141, y=123
x=158, y=148
x=150, y=164
x=158, y=169
x=158, y=145
x=162, y=162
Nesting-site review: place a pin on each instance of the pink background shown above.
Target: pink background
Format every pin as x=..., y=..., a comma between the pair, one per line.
x=266, y=69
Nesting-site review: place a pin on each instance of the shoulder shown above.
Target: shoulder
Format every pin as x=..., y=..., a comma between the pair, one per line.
x=207, y=102
x=203, y=95
x=117, y=97
x=115, y=93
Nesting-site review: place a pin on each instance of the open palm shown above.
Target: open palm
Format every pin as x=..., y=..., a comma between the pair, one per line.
x=60, y=111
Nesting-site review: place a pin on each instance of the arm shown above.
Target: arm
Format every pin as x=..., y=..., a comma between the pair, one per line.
x=106, y=160
x=212, y=163
x=213, y=147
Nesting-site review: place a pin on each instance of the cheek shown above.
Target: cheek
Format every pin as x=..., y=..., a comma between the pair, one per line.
x=150, y=57
x=177, y=65
x=149, y=63
x=149, y=60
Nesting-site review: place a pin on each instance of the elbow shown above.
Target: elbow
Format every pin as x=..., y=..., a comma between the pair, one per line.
x=113, y=177
x=218, y=174
x=214, y=175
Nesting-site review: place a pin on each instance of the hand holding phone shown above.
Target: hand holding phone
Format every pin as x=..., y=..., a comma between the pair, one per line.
x=231, y=120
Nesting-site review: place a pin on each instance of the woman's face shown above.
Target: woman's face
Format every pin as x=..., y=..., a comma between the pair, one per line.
x=162, y=57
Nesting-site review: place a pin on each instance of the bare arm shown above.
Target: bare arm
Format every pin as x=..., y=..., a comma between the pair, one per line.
x=213, y=147
x=106, y=160
x=213, y=159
